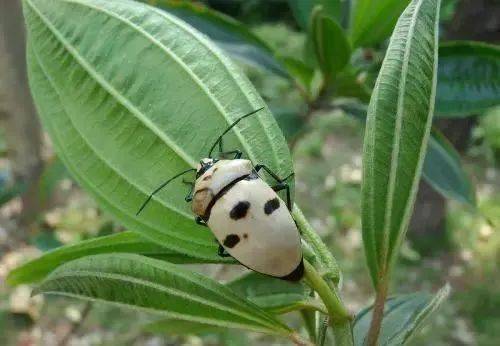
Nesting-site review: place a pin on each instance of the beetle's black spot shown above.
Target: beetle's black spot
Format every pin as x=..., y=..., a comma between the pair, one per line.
x=245, y=236
x=239, y=210
x=231, y=240
x=207, y=177
x=271, y=206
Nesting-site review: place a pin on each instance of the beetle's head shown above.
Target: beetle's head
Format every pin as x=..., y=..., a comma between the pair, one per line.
x=204, y=166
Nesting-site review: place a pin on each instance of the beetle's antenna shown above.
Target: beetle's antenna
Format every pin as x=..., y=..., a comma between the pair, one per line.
x=230, y=127
x=161, y=187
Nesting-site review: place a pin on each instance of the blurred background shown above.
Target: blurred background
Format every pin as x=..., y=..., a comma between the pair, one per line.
x=450, y=240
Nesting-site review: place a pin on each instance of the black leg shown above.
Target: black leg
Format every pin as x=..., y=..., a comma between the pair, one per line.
x=222, y=252
x=189, y=196
x=284, y=186
x=272, y=174
x=200, y=221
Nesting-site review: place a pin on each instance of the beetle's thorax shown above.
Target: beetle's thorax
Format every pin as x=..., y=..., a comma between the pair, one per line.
x=212, y=177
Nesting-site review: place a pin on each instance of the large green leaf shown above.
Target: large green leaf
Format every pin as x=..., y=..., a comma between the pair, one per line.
x=274, y=294
x=127, y=242
x=173, y=326
x=372, y=21
x=302, y=10
x=130, y=96
x=398, y=127
x=468, y=78
x=331, y=46
x=444, y=172
x=158, y=287
x=229, y=34
x=403, y=317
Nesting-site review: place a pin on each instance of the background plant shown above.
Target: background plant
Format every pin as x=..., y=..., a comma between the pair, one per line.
x=330, y=71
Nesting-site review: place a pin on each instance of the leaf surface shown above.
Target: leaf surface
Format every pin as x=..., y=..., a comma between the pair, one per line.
x=403, y=317
x=158, y=287
x=130, y=96
x=468, y=78
x=125, y=242
x=398, y=127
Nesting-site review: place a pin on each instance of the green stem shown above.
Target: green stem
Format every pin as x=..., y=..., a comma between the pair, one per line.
x=312, y=238
x=340, y=318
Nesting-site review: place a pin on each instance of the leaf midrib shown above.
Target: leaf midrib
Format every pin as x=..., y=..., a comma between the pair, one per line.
x=397, y=138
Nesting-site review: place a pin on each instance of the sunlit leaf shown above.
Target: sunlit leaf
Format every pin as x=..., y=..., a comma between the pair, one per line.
x=158, y=287
x=130, y=95
x=126, y=242
x=398, y=127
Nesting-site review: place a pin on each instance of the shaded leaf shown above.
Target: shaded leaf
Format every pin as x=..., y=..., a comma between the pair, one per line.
x=158, y=287
x=398, y=126
x=54, y=171
x=228, y=33
x=332, y=49
x=302, y=10
x=302, y=73
x=403, y=316
x=290, y=121
x=127, y=242
x=373, y=21
x=468, y=78
x=444, y=172
x=442, y=165
x=130, y=96
x=274, y=294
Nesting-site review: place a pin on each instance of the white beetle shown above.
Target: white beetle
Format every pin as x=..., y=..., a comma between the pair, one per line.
x=246, y=215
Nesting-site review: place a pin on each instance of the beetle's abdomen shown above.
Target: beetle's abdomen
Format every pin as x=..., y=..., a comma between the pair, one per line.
x=256, y=228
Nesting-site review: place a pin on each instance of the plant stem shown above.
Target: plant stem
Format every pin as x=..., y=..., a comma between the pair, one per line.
x=324, y=256
x=378, y=311
x=340, y=318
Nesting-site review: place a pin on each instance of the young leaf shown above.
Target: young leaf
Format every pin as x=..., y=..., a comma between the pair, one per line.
x=444, y=172
x=468, y=78
x=302, y=10
x=229, y=34
x=273, y=294
x=158, y=287
x=130, y=96
x=403, y=316
x=332, y=48
x=127, y=242
x=373, y=21
x=398, y=127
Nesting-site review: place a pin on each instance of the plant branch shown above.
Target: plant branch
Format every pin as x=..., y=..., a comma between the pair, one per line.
x=378, y=311
x=340, y=318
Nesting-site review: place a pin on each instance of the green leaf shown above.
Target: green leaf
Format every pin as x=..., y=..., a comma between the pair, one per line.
x=403, y=316
x=398, y=127
x=373, y=21
x=290, y=121
x=127, y=242
x=468, y=78
x=158, y=287
x=172, y=326
x=130, y=96
x=331, y=46
x=302, y=10
x=274, y=294
x=444, y=172
x=302, y=73
x=229, y=34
